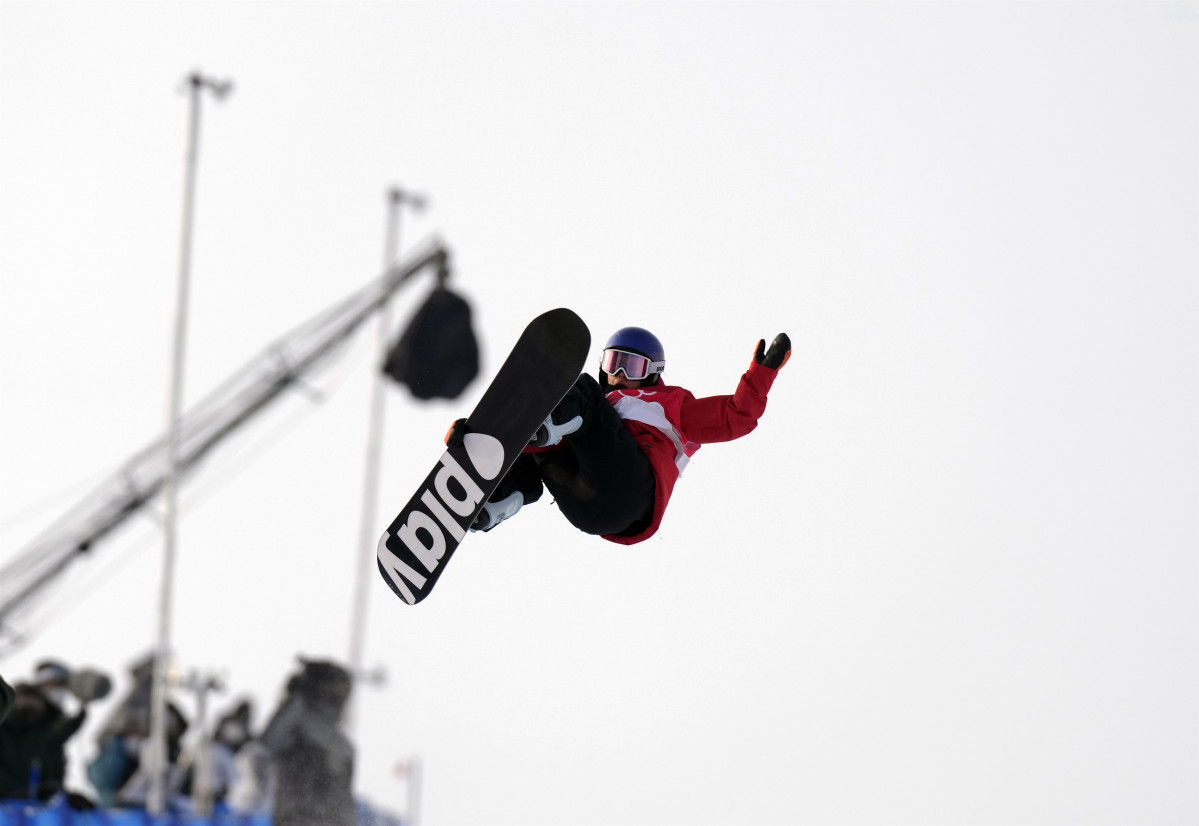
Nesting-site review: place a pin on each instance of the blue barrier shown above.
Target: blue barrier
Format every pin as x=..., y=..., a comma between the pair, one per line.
x=58, y=813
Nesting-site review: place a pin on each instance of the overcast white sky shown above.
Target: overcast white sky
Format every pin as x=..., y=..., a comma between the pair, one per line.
x=953, y=576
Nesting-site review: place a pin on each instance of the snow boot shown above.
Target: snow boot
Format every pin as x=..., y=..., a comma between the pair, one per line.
x=520, y=486
x=570, y=416
x=494, y=513
x=503, y=504
x=550, y=434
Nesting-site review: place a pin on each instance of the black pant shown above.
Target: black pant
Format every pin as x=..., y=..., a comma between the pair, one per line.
x=601, y=480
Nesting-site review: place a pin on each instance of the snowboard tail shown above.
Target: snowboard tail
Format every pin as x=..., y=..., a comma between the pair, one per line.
x=544, y=363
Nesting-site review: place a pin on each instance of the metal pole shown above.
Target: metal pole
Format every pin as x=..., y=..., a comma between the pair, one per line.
x=203, y=767
x=156, y=794
x=368, y=530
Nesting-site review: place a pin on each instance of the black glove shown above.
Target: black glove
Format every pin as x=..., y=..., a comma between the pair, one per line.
x=777, y=355
x=455, y=435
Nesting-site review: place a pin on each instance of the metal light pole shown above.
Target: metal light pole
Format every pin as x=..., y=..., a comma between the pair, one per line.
x=369, y=531
x=156, y=794
x=203, y=769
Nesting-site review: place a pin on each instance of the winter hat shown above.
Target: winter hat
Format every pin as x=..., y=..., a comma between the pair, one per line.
x=51, y=671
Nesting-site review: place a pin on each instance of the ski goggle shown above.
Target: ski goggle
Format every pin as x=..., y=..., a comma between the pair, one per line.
x=634, y=366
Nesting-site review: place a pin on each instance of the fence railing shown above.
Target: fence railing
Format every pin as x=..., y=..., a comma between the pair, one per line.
x=58, y=813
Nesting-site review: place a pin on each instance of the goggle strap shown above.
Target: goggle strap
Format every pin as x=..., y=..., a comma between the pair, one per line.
x=616, y=361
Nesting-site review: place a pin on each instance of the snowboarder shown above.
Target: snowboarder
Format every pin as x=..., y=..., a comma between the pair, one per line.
x=611, y=451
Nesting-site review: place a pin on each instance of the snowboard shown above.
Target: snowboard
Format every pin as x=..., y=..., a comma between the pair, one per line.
x=542, y=367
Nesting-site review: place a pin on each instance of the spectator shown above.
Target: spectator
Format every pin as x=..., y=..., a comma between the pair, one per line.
x=211, y=779
x=313, y=759
x=53, y=678
x=253, y=786
x=134, y=791
x=121, y=736
x=33, y=746
x=253, y=789
x=117, y=773
x=136, y=702
x=120, y=747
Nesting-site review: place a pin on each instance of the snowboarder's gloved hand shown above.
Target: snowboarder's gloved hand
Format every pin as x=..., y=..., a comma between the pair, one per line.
x=778, y=353
x=456, y=433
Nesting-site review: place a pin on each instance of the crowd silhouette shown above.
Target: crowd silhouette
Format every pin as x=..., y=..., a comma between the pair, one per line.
x=298, y=768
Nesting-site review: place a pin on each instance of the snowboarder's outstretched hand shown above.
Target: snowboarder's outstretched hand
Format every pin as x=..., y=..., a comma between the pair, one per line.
x=457, y=432
x=778, y=353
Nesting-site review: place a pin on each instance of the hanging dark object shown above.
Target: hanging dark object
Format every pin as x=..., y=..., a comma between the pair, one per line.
x=437, y=356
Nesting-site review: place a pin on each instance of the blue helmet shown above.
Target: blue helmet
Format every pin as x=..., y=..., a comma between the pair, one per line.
x=639, y=342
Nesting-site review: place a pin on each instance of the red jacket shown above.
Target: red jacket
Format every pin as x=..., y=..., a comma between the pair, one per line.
x=670, y=424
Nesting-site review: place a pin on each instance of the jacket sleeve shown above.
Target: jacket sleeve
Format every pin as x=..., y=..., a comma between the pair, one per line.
x=723, y=418
x=65, y=727
x=280, y=732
